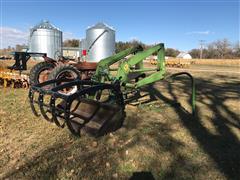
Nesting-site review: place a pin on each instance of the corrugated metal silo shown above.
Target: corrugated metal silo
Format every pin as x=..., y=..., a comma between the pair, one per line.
x=100, y=40
x=46, y=38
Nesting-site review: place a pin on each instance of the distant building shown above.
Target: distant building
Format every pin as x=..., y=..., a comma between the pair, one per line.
x=151, y=58
x=25, y=49
x=184, y=55
x=71, y=52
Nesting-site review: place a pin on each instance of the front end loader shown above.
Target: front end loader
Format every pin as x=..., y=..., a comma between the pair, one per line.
x=97, y=106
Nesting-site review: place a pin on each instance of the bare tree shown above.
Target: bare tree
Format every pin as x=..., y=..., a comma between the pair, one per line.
x=223, y=48
x=71, y=43
x=236, y=50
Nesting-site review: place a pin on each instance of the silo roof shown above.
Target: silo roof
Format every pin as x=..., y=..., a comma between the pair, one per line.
x=45, y=25
x=101, y=25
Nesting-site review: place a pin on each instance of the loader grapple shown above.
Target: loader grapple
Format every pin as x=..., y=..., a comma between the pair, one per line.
x=95, y=108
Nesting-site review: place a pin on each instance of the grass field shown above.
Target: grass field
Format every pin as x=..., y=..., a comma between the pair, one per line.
x=159, y=138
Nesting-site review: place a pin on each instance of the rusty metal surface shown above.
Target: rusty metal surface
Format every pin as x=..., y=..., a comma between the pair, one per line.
x=13, y=79
x=86, y=66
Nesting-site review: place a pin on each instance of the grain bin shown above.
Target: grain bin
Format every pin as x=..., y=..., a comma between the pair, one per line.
x=100, y=41
x=46, y=38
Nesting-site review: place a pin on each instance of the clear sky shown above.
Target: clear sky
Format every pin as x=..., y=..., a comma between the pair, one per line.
x=178, y=23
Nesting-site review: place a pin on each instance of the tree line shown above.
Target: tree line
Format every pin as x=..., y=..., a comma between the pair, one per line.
x=220, y=49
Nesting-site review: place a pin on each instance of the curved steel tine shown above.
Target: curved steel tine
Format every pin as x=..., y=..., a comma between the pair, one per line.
x=68, y=121
x=43, y=112
x=76, y=106
x=31, y=97
x=54, y=113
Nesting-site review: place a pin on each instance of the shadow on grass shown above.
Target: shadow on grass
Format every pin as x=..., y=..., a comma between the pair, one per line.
x=223, y=147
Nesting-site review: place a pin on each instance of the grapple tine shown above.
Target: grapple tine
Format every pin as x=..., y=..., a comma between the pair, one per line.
x=31, y=100
x=76, y=132
x=41, y=106
x=54, y=113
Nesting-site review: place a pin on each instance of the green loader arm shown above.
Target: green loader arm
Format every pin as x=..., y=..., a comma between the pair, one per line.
x=127, y=67
x=104, y=64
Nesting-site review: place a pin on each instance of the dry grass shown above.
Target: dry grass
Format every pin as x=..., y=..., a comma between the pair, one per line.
x=218, y=62
x=223, y=62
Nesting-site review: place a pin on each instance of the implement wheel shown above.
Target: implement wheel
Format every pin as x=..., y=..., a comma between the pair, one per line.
x=39, y=73
x=66, y=72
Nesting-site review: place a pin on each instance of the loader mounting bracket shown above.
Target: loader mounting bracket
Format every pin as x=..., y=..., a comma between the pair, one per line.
x=21, y=59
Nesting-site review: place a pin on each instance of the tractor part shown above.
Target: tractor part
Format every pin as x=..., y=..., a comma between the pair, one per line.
x=100, y=100
x=95, y=108
x=12, y=75
x=65, y=72
x=87, y=69
x=21, y=59
x=39, y=73
x=193, y=88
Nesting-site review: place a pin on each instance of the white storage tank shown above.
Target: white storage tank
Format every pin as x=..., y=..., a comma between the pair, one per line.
x=100, y=41
x=46, y=38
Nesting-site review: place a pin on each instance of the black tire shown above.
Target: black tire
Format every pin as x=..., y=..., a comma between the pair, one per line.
x=36, y=71
x=61, y=69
